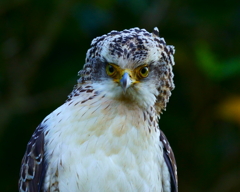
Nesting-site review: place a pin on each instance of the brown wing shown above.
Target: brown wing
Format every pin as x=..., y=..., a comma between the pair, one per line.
x=170, y=161
x=33, y=166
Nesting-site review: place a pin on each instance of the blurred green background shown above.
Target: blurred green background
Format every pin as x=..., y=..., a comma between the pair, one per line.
x=43, y=45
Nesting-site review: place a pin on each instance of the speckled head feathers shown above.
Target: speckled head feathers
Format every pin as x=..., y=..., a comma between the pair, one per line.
x=129, y=49
x=135, y=45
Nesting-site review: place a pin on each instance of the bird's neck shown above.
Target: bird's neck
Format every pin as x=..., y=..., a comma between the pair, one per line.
x=106, y=133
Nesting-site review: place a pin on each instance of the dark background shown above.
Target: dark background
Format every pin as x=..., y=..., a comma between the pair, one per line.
x=43, y=45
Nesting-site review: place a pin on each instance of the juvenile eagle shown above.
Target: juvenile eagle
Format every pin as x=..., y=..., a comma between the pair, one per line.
x=106, y=137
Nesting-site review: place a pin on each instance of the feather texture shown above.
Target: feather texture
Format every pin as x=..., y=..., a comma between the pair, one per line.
x=104, y=138
x=33, y=167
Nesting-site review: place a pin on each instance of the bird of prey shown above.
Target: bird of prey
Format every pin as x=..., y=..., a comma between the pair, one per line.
x=106, y=136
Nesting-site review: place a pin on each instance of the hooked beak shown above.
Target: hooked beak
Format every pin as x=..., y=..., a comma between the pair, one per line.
x=125, y=82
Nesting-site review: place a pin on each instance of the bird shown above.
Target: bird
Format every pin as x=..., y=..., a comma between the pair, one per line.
x=106, y=136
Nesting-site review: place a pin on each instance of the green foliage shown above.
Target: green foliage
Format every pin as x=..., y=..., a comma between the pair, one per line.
x=216, y=68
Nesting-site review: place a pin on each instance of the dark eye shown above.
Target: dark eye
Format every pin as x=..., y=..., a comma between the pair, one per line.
x=144, y=72
x=110, y=70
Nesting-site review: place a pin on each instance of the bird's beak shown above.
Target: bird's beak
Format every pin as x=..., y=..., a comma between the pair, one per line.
x=125, y=81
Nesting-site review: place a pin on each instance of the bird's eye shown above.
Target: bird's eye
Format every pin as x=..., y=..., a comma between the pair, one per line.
x=144, y=72
x=110, y=70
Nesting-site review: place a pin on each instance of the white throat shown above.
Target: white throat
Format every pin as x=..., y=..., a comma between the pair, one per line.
x=109, y=142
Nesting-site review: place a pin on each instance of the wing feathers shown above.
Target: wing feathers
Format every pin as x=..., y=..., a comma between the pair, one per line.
x=170, y=161
x=33, y=165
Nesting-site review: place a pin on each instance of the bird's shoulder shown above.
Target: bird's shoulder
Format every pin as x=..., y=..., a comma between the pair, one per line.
x=170, y=162
x=33, y=165
x=83, y=92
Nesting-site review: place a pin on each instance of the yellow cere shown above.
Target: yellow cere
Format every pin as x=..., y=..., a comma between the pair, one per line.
x=136, y=75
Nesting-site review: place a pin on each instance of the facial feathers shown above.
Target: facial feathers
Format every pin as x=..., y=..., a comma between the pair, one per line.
x=129, y=49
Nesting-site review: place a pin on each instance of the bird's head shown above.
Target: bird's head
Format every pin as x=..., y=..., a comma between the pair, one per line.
x=131, y=65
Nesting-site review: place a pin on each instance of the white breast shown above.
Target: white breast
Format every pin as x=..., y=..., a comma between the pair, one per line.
x=92, y=147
